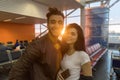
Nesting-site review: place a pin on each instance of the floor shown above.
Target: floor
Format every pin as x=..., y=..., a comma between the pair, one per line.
x=101, y=70
x=103, y=67
x=3, y=76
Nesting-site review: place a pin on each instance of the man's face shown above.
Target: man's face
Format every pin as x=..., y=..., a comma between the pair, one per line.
x=55, y=25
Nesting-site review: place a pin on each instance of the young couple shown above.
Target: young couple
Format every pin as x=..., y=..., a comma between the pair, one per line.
x=47, y=58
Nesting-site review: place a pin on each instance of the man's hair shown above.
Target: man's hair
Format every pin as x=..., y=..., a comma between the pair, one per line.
x=54, y=11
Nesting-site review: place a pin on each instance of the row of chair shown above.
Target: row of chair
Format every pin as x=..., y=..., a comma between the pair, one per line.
x=9, y=56
x=95, y=52
x=7, y=59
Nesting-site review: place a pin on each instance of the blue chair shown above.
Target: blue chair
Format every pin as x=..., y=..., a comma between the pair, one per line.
x=3, y=57
x=15, y=54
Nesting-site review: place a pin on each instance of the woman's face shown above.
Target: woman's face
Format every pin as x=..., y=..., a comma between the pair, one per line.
x=71, y=36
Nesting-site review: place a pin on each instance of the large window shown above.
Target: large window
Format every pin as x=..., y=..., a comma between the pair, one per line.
x=40, y=28
x=114, y=25
x=72, y=16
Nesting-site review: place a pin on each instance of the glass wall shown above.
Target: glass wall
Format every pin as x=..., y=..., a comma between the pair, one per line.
x=72, y=16
x=40, y=28
x=96, y=29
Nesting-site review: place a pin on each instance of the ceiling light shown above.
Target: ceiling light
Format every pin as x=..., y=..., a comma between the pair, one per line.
x=7, y=20
x=77, y=0
x=81, y=2
x=20, y=17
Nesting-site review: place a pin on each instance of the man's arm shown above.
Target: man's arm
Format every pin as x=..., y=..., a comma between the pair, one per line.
x=21, y=68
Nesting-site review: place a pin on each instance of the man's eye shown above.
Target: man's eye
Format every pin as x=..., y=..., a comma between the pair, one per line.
x=60, y=22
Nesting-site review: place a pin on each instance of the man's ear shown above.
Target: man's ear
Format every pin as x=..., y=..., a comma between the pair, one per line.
x=47, y=25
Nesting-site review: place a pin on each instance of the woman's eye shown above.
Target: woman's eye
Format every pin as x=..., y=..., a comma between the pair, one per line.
x=72, y=33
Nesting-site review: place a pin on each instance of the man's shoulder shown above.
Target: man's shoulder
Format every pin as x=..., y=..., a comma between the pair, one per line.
x=42, y=41
x=43, y=38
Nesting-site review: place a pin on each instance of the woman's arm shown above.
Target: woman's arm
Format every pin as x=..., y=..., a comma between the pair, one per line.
x=86, y=71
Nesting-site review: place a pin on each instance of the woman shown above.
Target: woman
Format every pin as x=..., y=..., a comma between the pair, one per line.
x=75, y=59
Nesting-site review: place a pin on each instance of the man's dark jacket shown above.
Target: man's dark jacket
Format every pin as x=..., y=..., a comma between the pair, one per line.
x=38, y=62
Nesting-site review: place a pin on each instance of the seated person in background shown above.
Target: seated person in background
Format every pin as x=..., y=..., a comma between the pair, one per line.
x=17, y=48
x=3, y=48
x=75, y=58
x=25, y=43
x=21, y=45
x=10, y=45
x=16, y=44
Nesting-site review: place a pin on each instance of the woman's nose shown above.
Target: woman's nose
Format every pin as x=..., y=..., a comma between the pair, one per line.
x=68, y=35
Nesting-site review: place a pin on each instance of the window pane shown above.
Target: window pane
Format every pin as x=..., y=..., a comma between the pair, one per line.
x=45, y=24
x=73, y=20
x=37, y=30
x=37, y=25
x=95, y=4
x=43, y=27
x=64, y=12
x=36, y=34
x=75, y=13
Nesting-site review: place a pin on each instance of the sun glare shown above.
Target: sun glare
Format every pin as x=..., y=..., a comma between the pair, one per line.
x=62, y=32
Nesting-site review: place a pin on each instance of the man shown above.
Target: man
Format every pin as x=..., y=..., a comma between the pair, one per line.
x=41, y=58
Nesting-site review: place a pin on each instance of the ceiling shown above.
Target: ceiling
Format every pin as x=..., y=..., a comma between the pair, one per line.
x=61, y=4
x=66, y=4
x=16, y=18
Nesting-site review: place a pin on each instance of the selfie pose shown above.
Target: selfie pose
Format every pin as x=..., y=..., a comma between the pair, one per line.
x=41, y=58
x=75, y=59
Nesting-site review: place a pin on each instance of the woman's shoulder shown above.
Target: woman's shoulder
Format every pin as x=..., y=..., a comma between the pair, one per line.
x=81, y=53
x=83, y=56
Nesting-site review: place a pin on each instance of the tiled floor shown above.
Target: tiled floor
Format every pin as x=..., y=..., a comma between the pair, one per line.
x=103, y=67
x=3, y=76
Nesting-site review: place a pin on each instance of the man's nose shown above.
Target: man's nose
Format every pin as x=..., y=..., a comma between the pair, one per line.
x=57, y=24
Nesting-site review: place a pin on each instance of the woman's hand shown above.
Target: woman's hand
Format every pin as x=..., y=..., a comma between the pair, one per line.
x=62, y=75
x=59, y=77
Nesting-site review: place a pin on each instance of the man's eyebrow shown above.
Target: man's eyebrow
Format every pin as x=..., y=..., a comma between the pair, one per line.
x=60, y=21
x=52, y=20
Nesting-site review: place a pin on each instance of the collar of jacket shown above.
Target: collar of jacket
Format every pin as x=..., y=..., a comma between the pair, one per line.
x=54, y=40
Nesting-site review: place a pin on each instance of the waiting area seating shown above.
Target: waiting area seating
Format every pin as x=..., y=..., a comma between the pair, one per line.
x=95, y=52
x=8, y=58
x=9, y=54
x=4, y=57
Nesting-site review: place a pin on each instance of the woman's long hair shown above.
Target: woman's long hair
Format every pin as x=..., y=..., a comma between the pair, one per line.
x=79, y=44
